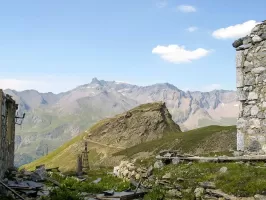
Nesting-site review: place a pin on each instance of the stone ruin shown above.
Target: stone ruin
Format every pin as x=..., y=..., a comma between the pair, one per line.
x=251, y=90
x=8, y=109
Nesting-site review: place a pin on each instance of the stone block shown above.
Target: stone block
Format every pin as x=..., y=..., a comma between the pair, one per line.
x=239, y=59
x=246, y=111
x=238, y=43
x=254, y=123
x=240, y=141
x=241, y=94
x=252, y=96
x=256, y=39
x=254, y=110
x=241, y=123
x=258, y=70
x=243, y=47
x=247, y=63
x=249, y=57
x=239, y=77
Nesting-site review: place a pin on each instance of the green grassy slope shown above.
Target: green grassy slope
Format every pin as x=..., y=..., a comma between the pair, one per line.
x=199, y=141
x=110, y=129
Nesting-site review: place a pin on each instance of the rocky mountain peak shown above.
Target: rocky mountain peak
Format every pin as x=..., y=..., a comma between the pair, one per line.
x=97, y=81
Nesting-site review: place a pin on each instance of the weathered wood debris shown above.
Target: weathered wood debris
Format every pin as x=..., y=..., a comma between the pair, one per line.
x=25, y=184
x=171, y=155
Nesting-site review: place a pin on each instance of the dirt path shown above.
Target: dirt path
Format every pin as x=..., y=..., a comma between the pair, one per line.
x=105, y=145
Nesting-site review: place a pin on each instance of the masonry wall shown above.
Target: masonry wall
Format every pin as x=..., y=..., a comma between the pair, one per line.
x=8, y=109
x=251, y=89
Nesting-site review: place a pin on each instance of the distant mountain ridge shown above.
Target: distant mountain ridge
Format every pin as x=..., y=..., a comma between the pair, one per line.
x=51, y=119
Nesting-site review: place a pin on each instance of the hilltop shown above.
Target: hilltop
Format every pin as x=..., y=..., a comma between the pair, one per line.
x=144, y=123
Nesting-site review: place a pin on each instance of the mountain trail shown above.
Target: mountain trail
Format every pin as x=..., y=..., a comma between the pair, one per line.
x=101, y=144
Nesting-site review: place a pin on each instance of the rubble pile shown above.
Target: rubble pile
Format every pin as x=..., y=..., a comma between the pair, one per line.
x=174, y=188
x=128, y=170
x=24, y=184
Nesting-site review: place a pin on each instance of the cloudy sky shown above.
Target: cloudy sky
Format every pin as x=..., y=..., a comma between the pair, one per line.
x=57, y=45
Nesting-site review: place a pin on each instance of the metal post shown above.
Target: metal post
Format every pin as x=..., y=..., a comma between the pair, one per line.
x=85, y=157
x=79, y=165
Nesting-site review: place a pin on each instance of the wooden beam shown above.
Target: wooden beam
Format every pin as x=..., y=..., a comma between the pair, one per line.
x=217, y=159
x=13, y=191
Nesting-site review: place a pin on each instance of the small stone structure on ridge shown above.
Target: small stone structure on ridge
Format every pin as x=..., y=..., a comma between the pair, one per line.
x=8, y=109
x=251, y=89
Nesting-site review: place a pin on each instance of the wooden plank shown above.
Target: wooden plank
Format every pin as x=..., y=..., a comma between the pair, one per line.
x=121, y=196
x=217, y=159
x=133, y=196
x=13, y=191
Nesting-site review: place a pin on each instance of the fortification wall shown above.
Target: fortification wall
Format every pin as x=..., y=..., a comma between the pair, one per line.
x=8, y=109
x=251, y=89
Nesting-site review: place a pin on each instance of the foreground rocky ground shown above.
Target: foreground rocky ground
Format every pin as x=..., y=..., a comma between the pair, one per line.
x=153, y=180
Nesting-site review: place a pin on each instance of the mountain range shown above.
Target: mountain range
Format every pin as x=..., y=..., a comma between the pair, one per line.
x=52, y=119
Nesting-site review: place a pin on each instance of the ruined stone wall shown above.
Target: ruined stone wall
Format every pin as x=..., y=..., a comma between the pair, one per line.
x=251, y=89
x=8, y=109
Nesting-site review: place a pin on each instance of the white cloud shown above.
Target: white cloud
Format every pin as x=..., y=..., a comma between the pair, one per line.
x=161, y=4
x=46, y=83
x=206, y=88
x=186, y=8
x=211, y=87
x=192, y=29
x=16, y=84
x=178, y=54
x=235, y=31
x=122, y=82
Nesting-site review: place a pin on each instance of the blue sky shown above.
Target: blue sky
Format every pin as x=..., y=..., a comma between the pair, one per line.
x=56, y=45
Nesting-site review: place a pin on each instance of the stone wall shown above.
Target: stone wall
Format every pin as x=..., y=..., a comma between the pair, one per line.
x=251, y=89
x=8, y=109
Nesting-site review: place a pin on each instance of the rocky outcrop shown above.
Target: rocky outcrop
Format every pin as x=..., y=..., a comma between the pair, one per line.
x=251, y=82
x=143, y=123
x=128, y=170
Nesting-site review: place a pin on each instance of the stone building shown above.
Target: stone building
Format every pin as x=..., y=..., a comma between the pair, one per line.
x=8, y=109
x=251, y=89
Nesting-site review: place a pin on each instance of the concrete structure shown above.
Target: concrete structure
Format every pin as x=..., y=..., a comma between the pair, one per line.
x=251, y=89
x=8, y=109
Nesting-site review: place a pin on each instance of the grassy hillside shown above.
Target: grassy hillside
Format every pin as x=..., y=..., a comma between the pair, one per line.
x=141, y=124
x=207, y=140
x=199, y=141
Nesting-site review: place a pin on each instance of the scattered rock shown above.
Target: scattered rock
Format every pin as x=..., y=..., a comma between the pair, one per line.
x=238, y=153
x=137, y=176
x=219, y=193
x=167, y=176
x=180, y=179
x=188, y=190
x=259, y=197
x=158, y=164
x=149, y=171
x=223, y=170
x=175, y=161
x=199, y=192
x=207, y=185
x=97, y=180
x=174, y=193
x=190, y=163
